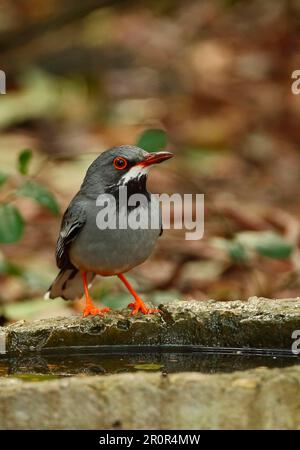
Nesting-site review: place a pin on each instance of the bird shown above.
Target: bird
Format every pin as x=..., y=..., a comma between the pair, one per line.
x=83, y=250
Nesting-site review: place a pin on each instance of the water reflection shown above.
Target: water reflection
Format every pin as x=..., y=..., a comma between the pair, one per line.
x=63, y=365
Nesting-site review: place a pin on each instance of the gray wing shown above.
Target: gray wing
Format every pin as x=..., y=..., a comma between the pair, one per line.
x=72, y=222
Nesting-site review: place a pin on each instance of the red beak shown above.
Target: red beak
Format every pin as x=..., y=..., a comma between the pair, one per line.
x=156, y=158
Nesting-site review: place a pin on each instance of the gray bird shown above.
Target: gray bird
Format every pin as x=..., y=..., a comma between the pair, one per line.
x=84, y=250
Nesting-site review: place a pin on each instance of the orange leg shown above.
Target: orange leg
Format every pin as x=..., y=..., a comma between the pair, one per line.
x=90, y=308
x=138, y=305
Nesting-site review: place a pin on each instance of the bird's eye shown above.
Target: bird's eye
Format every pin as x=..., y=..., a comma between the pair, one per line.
x=120, y=163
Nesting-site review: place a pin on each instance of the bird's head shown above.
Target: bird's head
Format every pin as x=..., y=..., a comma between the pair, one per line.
x=121, y=166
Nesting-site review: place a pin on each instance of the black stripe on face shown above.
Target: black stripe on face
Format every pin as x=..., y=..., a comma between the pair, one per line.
x=134, y=186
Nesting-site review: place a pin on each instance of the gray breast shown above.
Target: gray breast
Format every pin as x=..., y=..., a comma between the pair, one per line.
x=113, y=251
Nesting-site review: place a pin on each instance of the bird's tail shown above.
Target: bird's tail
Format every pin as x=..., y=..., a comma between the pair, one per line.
x=68, y=284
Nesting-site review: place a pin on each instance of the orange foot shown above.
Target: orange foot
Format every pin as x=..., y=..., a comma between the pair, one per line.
x=139, y=305
x=92, y=311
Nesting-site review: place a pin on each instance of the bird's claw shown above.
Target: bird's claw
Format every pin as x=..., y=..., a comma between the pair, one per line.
x=140, y=306
x=92, y=311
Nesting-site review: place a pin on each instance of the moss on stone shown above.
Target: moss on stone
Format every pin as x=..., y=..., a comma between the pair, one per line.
x=256, y=323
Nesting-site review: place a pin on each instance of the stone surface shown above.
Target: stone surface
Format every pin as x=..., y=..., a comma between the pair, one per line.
x=256, y=323
x=255, y=399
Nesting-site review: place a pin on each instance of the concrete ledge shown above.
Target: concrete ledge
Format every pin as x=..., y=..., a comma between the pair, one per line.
x=256, y=323
x=255, y=399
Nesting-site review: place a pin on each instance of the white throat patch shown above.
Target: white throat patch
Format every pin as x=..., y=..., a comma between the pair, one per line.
x=135, y=172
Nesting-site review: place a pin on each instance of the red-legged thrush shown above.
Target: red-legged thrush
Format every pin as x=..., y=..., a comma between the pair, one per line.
x=84, y=249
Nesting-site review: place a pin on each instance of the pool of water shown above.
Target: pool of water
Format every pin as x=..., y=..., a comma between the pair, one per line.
x=108, y=360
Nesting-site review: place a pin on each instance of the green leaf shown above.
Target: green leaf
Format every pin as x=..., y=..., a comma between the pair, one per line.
x=40, y=194
x=266, y=243
x=3, y=178
x=274, y=246
x=152, y=140
x=24, y=159
x=11, y=224
x=234, y=249
x=237, y=251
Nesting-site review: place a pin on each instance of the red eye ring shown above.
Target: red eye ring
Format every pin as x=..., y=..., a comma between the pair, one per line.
x=120, y=163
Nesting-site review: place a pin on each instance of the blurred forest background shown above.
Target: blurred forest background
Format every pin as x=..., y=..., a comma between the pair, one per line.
x=216, y=76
